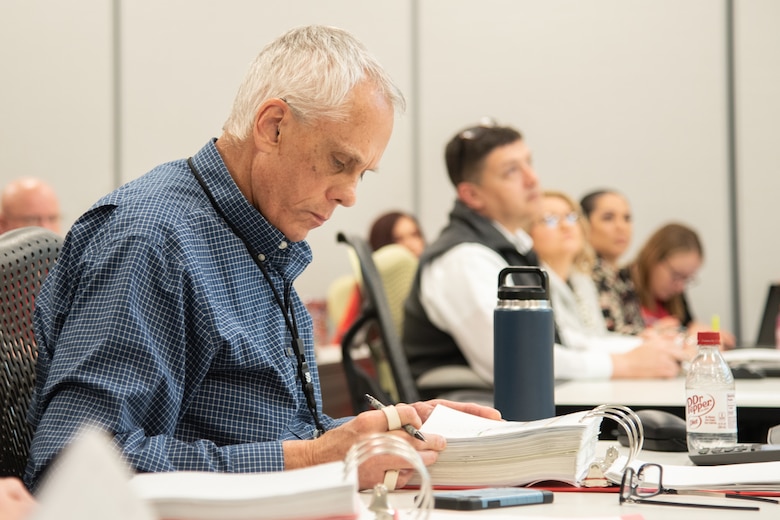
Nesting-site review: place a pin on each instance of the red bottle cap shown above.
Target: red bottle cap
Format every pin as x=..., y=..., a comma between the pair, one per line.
x=709, y=338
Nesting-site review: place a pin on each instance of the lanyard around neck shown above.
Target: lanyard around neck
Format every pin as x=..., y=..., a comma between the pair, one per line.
x=304, y=372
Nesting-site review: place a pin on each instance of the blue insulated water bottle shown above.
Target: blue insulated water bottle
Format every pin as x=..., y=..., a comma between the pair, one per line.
x=523, y=338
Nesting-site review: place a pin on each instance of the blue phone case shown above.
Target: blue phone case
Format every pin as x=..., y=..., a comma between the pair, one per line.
x=488, y=498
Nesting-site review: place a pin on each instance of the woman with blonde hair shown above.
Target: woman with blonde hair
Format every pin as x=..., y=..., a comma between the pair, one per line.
x=559, y=237
x=560, y=241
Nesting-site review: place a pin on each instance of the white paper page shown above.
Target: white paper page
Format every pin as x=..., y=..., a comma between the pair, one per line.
x=89, y=482
x=751, y=354
x=454, y=424
x=321, y=491
x=757, y=475
x=228, y=487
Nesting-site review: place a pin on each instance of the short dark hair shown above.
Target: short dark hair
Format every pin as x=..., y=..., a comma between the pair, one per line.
x=466, y=151
x=588, y=202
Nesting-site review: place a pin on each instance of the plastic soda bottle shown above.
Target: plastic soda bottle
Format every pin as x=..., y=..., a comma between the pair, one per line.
x=711, y=408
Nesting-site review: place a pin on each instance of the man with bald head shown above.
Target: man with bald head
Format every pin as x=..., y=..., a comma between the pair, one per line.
x=29, y=202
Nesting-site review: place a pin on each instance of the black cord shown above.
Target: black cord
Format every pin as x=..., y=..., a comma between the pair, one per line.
x=304, y=373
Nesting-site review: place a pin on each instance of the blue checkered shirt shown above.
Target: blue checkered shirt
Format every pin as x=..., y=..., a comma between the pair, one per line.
x=157, y=325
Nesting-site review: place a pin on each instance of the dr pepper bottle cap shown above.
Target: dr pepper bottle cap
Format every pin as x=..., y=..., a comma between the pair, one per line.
x=709, y=338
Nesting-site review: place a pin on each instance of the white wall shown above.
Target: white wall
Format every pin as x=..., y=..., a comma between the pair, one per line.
x=184, y=61
x=757, y=63
x=607, y=93
x=631, y=95
x=55, y=97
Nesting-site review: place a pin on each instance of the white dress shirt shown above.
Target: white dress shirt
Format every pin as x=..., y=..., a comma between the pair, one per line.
x=459, y=291
x=579, y=318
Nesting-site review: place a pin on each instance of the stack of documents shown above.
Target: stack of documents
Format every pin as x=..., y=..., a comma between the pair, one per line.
x=310, y=493
x=484, y=452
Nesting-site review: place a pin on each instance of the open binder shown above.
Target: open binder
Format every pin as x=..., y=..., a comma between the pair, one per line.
x=326, y=491
x=322, y=491
x=90, y=481
x=484, y=452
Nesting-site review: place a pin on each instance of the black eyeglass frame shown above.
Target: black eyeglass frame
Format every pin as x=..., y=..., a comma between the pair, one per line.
x=630, y=494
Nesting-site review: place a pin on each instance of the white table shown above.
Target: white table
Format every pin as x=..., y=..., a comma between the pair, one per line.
x=606, y=505
x=751, y=393
x=758, y=400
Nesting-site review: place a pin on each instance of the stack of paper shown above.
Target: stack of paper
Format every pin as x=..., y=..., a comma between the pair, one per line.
x=484, y=452
x=311, y=493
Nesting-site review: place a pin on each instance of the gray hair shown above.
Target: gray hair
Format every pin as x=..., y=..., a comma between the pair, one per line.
x=312, y=68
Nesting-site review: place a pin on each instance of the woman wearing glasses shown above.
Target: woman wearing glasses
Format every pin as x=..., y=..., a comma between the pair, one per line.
x=665, y=266
x=559, y=240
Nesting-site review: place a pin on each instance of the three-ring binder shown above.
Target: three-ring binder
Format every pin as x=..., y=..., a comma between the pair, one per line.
x=630, y=422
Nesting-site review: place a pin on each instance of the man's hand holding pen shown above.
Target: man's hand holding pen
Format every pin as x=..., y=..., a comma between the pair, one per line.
x=433, y=444
x=393, y=420
x=333, y=445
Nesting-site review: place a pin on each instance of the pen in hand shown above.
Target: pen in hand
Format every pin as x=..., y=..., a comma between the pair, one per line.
x=376, y=404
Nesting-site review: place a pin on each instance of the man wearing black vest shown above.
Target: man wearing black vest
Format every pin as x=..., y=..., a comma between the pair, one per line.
x=448, y=317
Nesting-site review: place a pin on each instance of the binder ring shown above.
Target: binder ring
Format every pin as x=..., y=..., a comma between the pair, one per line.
x=629, y=421
x=385, y=444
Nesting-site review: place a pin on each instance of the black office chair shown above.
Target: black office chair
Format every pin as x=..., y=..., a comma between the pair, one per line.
x=388, y=377
x=26, y=255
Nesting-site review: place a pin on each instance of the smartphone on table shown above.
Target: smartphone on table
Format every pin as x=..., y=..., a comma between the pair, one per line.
x=488, y=498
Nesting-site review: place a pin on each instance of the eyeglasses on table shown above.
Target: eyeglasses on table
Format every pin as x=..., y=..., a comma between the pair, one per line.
x=638, y=486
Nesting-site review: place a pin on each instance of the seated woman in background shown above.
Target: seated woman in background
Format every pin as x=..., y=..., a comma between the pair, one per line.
x=611, y=228
x=559, y=240
x=664, y=267
x=397, y=228
x=394, y=227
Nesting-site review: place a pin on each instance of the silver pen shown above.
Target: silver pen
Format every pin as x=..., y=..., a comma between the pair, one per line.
x=376, y=404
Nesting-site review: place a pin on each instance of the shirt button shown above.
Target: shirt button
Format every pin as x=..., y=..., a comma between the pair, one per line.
x=261, y=257
x=282, y=245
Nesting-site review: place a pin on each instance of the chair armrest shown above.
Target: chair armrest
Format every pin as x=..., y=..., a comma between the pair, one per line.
x=452, y=376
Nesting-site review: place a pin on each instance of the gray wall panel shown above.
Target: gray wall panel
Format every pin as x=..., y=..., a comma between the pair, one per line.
x=607, y=93
x=183, y=62
x=757, y=64
x=56, y=98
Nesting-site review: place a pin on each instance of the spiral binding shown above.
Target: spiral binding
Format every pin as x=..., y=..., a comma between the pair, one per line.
x=632, y=425
x=384, y=444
